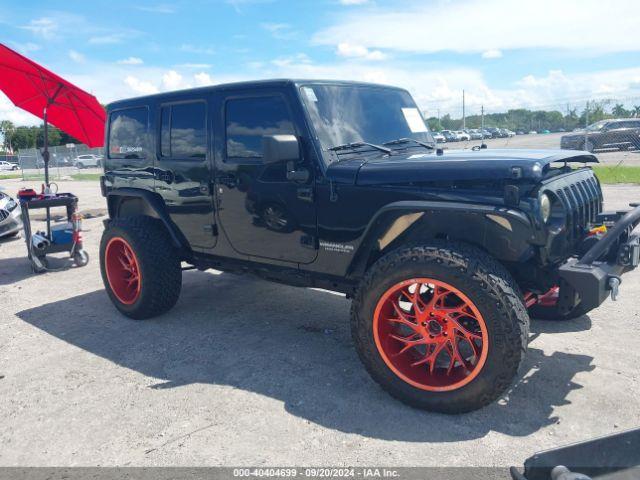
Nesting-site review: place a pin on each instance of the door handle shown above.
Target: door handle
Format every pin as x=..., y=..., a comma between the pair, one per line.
x=305, y=194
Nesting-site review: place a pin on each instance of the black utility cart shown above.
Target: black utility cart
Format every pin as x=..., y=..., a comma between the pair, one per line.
x=53, y=240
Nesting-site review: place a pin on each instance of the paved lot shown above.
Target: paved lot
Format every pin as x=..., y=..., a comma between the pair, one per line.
x=551, y=140
x=244, y=372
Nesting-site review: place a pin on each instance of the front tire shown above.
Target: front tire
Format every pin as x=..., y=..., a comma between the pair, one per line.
x=440, y=327
x=140, y=267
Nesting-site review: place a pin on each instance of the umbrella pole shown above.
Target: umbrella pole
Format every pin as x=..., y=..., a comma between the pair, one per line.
x=45, y=156
x=45, y=153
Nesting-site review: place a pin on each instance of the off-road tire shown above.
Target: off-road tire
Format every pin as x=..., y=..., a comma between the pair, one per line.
x=158, y=261
x=485, y=282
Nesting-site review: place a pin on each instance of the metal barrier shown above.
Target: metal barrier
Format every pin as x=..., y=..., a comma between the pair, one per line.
x=65, y=161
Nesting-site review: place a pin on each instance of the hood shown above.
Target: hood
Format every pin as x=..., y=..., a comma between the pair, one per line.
x=452, y=165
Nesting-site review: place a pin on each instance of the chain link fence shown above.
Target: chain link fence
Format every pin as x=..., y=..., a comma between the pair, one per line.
x=609, y=127
x=64, y=161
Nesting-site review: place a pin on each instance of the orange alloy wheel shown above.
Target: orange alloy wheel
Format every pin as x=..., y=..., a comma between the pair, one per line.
x=123, y=271
x=430, y=334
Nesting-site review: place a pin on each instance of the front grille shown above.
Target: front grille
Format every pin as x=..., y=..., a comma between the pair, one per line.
x=581, y=197
x=4, y=214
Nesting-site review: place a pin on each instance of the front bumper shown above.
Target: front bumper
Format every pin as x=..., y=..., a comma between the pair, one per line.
x=590, y=279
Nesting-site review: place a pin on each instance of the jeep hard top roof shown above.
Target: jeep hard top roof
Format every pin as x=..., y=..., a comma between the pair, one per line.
x=257, y=84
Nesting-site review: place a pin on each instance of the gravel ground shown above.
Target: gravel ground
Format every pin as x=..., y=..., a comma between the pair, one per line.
x=245, y=372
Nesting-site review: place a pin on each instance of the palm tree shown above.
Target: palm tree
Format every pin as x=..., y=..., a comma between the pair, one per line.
x=8, y=130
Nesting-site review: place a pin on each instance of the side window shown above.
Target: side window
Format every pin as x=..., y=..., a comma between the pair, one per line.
x=247, y=120
x=128, y=132
x=183, y=130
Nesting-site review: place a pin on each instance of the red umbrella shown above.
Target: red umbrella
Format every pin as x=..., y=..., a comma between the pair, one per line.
x=50, y=97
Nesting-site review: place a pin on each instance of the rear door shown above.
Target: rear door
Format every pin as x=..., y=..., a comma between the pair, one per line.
x=183, y=167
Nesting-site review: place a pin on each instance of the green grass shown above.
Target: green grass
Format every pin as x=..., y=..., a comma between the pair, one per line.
x=86, y=176
x=617, y=174
x=7, y=176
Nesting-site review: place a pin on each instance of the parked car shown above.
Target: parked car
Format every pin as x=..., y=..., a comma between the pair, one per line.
x=532, y=132
x=495, y=132
x=450, y=136
x=445, y=254
x=509, y=133
x=520, y=132
x=438, y=137
x=88, y=160
x=487, y=133
x=4, y=166
x=474, y=134
x=10, y=216
x=462, y=136
x=619, y=134
x=544, y=132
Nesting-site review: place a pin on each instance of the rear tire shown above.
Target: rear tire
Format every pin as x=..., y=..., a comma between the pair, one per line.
x=140, y=267
x=489, y=294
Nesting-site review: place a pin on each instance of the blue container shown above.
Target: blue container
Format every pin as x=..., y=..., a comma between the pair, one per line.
x=61, y=234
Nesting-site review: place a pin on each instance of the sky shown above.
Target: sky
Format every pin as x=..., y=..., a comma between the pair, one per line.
x=503, y=53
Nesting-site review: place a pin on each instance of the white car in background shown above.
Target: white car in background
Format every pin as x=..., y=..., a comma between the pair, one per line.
x=88, y=160
x=8, y=166
x=10, y=216
x=462, y=136
x=438, y=137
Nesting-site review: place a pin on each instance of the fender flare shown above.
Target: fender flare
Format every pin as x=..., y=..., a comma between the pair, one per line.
x=460, y=221
x=154, y=202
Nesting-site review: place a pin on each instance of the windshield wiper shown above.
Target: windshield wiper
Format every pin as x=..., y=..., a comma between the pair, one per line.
x=349, y=146
x=407, y=140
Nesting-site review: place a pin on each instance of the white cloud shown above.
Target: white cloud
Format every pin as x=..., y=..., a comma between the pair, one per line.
x=172, y=80
x=239, y=5
x=160, y=8
x=353, y=2
x=26, y=48
x=203, y=79
x=76, y=56
x=107, y=39
x=281, y=31
x=197, y=66
x=131, y=61
x=299, y=58
x=569, y=24
x=198, y=49
x=493, y=53
x=140, y=86
x=358, y=51
x=44, y=27
x=14, y=114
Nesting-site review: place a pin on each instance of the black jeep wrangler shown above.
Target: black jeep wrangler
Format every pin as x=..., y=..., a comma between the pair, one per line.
x=340, y=185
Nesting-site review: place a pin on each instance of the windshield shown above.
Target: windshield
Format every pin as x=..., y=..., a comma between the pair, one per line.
x=343, y=114
x=597, y=125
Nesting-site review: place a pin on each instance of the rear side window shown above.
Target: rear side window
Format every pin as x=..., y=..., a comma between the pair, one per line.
x=183, y=131
x=128, y=129
x=247, y=120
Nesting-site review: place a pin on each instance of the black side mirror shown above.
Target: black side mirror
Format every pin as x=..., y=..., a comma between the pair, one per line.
x=300, y=175
x=279, y=148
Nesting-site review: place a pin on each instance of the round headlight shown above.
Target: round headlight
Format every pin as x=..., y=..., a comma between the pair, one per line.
x=545, y=207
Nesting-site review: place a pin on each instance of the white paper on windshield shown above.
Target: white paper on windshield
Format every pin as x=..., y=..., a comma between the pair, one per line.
x=414, y=120
x=311, y=95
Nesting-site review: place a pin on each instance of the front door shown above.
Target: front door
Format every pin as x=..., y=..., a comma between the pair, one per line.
x=183, y=169
x=262, y=213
